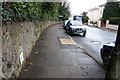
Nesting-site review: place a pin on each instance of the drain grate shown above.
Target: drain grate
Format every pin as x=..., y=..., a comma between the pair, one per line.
x=67, y=41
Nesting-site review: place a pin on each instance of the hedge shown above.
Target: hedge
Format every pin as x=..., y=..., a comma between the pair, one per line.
x=114, y=21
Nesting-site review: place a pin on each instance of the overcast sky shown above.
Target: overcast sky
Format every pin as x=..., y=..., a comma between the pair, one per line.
x=78, y=6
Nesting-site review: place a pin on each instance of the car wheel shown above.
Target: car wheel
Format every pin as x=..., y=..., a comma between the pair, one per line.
x=67, y=31
x=71, y=34
x=64, y=28
x=84, y=34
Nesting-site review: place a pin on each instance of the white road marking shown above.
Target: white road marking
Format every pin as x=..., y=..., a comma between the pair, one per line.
x=76, y=43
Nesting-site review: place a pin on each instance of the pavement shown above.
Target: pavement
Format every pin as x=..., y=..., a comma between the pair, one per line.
x=56, y=55
x=103, y=28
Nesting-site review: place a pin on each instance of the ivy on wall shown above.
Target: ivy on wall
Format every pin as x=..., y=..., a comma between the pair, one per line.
x=20, y=11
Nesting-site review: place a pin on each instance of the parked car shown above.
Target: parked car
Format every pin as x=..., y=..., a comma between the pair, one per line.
x=106, y=52
x=75, y=27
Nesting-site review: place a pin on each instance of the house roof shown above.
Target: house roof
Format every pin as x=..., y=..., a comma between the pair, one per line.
x=102, y=5
x=92, y=9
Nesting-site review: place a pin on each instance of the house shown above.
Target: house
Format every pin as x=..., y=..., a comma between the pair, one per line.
x=95, y=14
x=112, y=0
x=101, y=8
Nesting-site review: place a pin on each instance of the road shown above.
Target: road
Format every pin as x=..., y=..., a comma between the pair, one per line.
x=94, y=40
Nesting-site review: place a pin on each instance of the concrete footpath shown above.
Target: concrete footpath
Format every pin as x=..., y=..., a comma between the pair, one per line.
x=56, y=55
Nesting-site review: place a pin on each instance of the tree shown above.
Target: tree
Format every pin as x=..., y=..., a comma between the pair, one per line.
x=20, y=11
x=85, y=17
x=111, y=10
x=64, y=10
x=113, y=68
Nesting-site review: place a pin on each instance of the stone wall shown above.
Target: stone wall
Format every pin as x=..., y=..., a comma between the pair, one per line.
x=17, y=42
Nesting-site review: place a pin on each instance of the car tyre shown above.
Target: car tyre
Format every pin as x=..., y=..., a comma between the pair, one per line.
x=84, y=34
x=66, y=30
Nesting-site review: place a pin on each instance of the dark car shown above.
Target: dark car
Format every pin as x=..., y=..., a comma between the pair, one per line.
x=75, y=27
x=106, y=52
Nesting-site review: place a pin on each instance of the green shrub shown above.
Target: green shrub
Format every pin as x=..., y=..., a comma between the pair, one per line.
x=114, y=21
x=20, y=11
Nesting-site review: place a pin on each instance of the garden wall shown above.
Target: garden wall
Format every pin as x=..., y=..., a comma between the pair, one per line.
x=17, y=42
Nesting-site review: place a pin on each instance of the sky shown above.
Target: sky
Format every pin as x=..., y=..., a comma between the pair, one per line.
x=78, y=6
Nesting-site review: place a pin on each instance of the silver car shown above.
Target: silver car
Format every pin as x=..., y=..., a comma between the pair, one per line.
x=75, y=27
